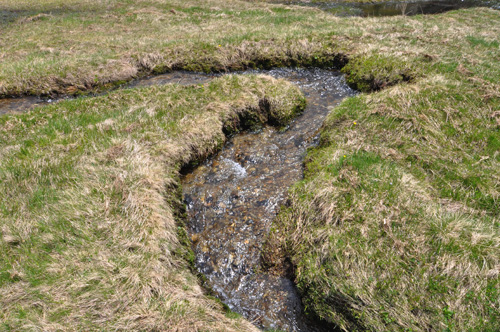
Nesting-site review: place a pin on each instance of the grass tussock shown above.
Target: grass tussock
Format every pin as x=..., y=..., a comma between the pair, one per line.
x=88, y=231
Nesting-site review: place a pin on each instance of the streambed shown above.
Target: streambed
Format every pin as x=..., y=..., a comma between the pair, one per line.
x=232, y=198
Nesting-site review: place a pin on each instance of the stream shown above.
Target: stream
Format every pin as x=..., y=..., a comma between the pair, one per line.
x=232, y=198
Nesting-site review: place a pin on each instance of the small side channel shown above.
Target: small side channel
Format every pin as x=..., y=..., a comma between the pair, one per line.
x=23, y=104
x=232, y=198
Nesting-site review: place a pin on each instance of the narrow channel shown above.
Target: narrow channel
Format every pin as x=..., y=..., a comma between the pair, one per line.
x=232, y=199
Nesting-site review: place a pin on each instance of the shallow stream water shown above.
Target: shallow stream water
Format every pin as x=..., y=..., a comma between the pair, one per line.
x=23, y=104
x=17, y=105
x=233, y=197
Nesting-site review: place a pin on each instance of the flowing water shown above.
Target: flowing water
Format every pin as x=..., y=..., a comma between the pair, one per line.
x=16, y=105
x=232, y=199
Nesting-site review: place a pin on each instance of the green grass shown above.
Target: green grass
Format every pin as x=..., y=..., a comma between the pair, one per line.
x=88, y=199
x=396, y=224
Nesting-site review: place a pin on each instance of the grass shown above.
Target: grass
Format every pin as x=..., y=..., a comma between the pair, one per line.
x=394, y=228
x=88, y=187
x=46, y=48
x=66, y=47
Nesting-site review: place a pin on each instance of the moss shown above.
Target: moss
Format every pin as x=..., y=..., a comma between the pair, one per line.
x=375, y=72
x=161, y=69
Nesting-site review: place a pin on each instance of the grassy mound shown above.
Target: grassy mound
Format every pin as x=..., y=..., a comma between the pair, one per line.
x=87, y=188
x=396, y=225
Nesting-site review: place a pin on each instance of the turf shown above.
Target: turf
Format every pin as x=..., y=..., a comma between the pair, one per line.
x=396, y=226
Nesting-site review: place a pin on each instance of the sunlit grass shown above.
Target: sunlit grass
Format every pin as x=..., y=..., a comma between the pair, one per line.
x=394, y=227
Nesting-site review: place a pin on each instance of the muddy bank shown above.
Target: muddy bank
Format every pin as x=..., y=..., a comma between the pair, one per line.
x=232, y=199
x=24, y=104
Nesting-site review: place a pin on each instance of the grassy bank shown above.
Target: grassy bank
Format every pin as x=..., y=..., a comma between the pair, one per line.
x=57, y=46
x=87, y=189
x=395, y=227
